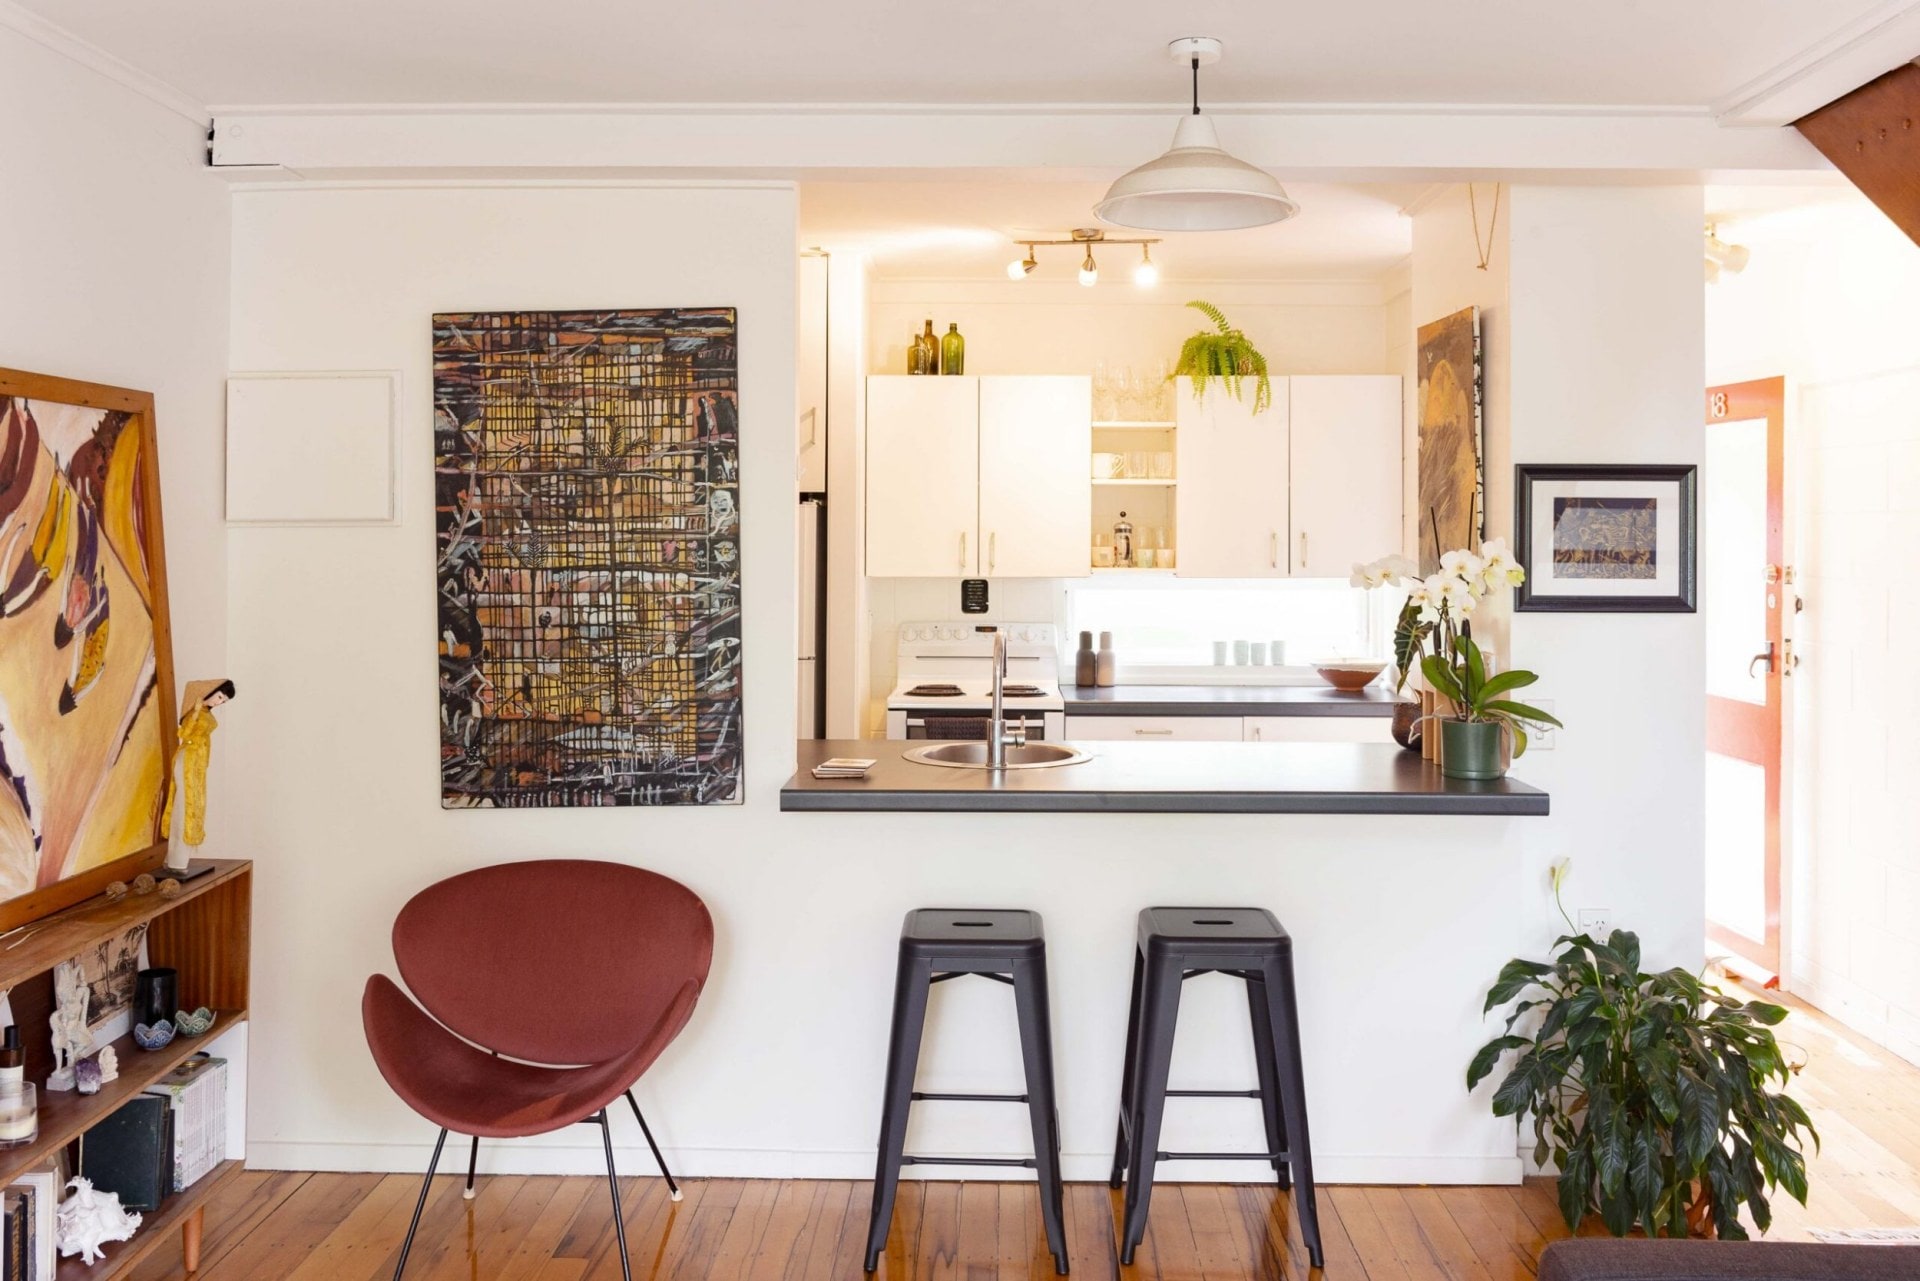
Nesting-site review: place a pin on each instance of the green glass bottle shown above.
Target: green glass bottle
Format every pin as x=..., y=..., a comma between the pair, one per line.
x=916, y=355
x=953, y=351
x=932, y=344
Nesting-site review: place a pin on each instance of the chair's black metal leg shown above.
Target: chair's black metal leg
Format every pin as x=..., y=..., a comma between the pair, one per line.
x=1036, y=1053
x=473, y=1160
x=1126, y=1074
x=426, y=1185
x=911, y=984
x=1270, y=1109
x=1160, y=1009
x=672, y=1187
x=613, y=1185
x=1284, y=1013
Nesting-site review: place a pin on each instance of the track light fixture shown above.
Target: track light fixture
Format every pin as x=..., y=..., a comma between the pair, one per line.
x=1721, y=256
x=1145, y=275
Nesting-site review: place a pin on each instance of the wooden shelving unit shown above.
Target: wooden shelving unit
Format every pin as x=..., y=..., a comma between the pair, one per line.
x=204, y=933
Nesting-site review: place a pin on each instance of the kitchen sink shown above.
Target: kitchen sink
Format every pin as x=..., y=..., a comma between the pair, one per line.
x=973, y=755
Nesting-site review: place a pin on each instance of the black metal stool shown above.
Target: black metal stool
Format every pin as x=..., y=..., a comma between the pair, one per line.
x=1176, y=944
x=935, y=945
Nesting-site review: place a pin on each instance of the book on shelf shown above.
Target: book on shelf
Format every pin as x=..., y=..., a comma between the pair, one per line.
x=16, y=1217
x=40, y=1189
x=196, y=1091
x=130, y=1153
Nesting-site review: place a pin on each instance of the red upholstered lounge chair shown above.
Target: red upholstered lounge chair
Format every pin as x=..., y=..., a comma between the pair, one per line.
x=545, y=989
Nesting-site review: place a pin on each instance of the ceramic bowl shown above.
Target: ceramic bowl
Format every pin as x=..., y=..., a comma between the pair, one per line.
x=1350, y=674
x=197, y=1023
x=155, y=1037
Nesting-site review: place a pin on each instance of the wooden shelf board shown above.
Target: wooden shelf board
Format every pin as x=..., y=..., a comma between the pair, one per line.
x=65, y=1115
x=45, y=943
x=1133, y=424
x=157, y=1227
x=1155, y=572
x=1166, y=483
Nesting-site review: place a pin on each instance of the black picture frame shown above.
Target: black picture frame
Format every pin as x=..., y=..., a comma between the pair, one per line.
x=1683, y=600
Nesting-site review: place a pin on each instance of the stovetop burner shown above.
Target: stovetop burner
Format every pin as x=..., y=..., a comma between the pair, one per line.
x=934, y=691
x=1022, y=691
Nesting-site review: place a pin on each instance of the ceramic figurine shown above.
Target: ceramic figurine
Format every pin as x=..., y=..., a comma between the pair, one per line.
x=192, y=755
x=109, y=1063
x=155, y=1037
x=198, y=1023
x=87, y=1220
x=71, y=1040
x=86, y=1076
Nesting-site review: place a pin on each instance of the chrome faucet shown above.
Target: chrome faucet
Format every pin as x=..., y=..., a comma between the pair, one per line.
x=1000, y=736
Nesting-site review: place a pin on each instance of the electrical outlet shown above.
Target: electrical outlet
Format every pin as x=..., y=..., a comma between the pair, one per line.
x=1596, y=921
x=1541, y=739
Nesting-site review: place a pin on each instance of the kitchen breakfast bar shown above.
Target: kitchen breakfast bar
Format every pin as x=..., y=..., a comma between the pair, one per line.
x=1178, y=778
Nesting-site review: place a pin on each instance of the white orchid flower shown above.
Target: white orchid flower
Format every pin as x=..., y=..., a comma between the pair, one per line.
x=1462, y=564
x=1362, y=576
x=1500, y=569
x=1397, y=569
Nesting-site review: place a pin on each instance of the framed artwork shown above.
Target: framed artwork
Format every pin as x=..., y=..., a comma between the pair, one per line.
x=1452, y=451
x=1607, y=539
x=108, y=969
x=86, y=659
x=588, y=527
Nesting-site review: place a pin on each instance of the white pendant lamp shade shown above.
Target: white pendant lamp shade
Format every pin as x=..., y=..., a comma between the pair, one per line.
x=1196, y=186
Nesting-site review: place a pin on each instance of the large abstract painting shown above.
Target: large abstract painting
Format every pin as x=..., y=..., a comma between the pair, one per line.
x=1451, y=496
x=86, y=712
x=587, y=485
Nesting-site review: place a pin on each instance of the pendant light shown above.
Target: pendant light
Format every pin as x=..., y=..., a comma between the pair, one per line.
x=1195, y=186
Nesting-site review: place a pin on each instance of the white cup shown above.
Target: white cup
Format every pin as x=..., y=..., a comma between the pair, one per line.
x=1219, y=653
x=1277, y=653
x=1240, y=653
x=1258, y=653
x=1144, y=558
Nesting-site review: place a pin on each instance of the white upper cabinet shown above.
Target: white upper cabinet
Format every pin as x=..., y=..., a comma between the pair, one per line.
x=1344, y=440
x=923, y=476
x=1036, y=508
x=1232, y=469
x=983, y=477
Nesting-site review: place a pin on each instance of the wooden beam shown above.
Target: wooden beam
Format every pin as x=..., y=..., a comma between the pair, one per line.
x=1870, y=136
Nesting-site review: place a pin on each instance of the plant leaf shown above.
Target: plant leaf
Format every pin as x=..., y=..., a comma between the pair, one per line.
x=1489, y=1055
x=1521, y=711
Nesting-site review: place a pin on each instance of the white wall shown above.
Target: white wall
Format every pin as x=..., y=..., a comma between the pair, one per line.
x=1831, y=301
x=779, y=1072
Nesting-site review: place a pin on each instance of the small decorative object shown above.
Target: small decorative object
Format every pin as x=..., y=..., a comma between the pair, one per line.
x=190, y=764
x=1105, y=665
x=145, y=884
x=19, y=1110
x=71, y=1039
x=1607, y=539
x=109, y=1064
x=156, y=993
x=1407, y=721
x=88, y=1220
x=169, y=888
x=1350, y=675
x=1451, y=471
x=1085, y=663
x=953, y=351
x=197, y=1023
x=86, y=1077
x=924, y=356
x=116, y=890
x=1225, y=354
x=1649, y=1092
x=156, y=1037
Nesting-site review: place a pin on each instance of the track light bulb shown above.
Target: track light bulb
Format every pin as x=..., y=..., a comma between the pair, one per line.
x=1146, y=275
x=1089, y=269
x=1016, y=270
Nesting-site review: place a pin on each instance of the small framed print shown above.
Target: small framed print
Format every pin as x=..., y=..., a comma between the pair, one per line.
x=1606, y=539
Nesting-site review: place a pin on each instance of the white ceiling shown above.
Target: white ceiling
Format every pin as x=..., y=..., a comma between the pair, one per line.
x=1615, y=52
x=967, y=230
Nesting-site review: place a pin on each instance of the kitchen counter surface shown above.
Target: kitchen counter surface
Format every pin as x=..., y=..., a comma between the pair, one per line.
x=1227, y=700
x=1170, y=778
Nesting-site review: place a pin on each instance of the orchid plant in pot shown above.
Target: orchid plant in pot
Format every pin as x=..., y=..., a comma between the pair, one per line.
x=1435, y=631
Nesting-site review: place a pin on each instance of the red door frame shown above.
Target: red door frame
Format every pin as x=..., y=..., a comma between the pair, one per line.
x=1752, y=731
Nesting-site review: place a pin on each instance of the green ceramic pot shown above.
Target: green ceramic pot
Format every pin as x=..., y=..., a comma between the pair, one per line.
x=1471, y=749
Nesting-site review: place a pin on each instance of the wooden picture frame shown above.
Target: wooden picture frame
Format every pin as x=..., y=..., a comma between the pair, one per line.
x=49, y=896
x=1627, y=535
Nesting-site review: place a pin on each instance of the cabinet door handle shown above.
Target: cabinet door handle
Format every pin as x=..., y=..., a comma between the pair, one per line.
x=1303, y=549
x=963, y=551
x=1256, y=733
x=993, y=554
x=1273, y=550
x=1153, y=731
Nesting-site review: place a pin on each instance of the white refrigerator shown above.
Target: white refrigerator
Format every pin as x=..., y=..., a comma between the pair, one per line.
x=812, y=682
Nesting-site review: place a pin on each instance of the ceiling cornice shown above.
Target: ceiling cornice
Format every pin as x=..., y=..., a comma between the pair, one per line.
x=98, y=60
x=1870, y=46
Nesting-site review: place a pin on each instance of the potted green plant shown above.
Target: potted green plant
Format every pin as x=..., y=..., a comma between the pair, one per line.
x=1225, y=353
x=1649, y=1092
x=1435, y=631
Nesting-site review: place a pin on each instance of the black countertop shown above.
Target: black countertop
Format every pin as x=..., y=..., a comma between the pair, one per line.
x=1227, y=700
x=1173, y=778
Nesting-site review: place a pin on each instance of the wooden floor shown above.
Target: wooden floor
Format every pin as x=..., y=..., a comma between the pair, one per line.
x=348, y=1227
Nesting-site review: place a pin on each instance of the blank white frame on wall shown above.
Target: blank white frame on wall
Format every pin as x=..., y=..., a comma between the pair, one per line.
x=313, y=447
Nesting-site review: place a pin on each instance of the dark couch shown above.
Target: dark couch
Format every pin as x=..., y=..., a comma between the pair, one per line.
x=1599, y=1259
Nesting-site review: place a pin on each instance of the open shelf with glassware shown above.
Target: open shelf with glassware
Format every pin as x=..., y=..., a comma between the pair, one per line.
x=204, y=932
x=1133, y=473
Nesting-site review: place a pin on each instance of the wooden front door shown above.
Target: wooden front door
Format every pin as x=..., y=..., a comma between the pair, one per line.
x=1745, y=590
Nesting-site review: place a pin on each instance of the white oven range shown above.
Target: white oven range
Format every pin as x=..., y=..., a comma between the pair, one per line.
x=944, y=687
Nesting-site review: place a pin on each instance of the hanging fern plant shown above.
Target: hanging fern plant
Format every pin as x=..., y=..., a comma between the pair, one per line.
x=1224, y=353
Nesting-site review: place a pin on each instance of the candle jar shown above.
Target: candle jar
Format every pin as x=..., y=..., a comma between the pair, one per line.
x=156, y=995
x=19, y=1116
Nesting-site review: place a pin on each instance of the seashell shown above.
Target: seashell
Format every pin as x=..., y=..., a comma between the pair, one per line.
x=153, y=1038
x=144, y=883
x=87, y=1076
x=195, y=1024
x=116, y=890
x=169, y=888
